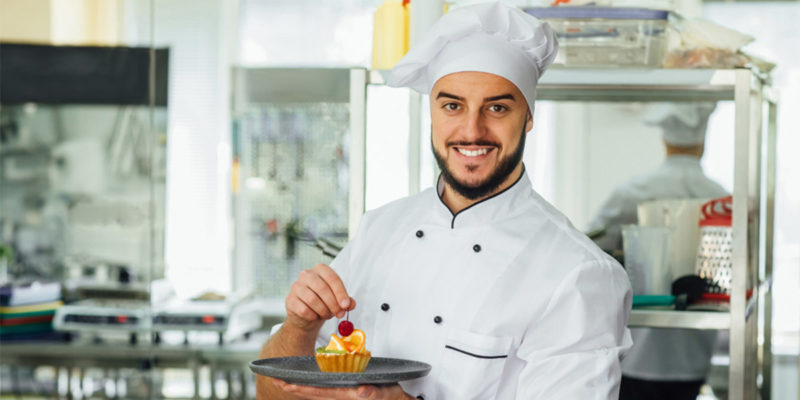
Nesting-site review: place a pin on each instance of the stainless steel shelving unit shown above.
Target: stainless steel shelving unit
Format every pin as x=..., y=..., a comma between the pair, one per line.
x=289, y=92
x=753, y=198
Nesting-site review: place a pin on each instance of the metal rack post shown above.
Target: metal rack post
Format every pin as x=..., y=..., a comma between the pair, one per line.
x=358, y=149
x=769, y=221
x=744, y=312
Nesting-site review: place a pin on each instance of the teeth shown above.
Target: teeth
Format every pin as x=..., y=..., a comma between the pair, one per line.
x=473, y=153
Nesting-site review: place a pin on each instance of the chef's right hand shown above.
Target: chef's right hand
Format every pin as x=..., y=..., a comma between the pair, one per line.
x=316, y=296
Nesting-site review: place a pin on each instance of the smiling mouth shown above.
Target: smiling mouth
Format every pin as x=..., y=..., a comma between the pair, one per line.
x=472, y=153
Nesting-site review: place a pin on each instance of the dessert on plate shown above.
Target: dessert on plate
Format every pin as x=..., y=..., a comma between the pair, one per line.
x=346, y=353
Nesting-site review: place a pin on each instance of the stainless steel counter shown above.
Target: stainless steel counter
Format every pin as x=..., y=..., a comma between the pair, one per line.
x=228, y=359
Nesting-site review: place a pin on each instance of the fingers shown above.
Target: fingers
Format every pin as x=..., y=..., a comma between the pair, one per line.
x=366, y=392
x=318, y=294
x=314, y=393
x=311, y=298
x=323, y=290
x=362, y=392
x=336, y=285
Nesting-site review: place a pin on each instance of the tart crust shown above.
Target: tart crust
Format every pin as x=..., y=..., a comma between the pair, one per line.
x=347, y=362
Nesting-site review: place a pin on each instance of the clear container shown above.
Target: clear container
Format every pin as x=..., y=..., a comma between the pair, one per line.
x=607, y=36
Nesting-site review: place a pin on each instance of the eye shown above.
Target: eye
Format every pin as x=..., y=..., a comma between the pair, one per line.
x=451, y=106
x=498, y=108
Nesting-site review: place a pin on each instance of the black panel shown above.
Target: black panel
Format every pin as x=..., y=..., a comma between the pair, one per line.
x=81, y=74
x=100, y=319
x=188, y=320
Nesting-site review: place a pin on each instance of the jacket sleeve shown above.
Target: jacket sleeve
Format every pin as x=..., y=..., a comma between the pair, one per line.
x=619, y=209
x=573, y=351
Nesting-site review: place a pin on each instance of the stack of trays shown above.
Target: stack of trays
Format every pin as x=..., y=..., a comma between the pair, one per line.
x=26, y=312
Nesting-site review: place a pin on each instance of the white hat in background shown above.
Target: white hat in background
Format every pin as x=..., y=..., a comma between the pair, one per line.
x=682, y=124
x=496, y=38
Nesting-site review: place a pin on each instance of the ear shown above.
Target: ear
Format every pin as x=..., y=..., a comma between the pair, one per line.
x=528, y=121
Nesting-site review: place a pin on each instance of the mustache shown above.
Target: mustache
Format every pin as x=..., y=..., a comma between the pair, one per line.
x=475, y=143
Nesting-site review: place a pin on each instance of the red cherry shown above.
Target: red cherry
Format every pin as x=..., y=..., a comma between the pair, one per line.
x=345, y=328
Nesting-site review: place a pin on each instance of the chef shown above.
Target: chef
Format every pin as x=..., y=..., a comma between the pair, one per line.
x=479, y=277
x=664, y=363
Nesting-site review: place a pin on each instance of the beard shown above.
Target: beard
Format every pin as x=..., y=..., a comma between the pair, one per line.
x=493, y=181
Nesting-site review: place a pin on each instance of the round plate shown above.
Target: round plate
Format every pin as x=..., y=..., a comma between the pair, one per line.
x=304, y=371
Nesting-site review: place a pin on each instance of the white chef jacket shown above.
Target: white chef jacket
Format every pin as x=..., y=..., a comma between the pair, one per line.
x=661, y=354
x=505, y=300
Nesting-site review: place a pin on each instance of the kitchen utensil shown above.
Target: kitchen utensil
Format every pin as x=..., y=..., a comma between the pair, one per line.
x=714, y=254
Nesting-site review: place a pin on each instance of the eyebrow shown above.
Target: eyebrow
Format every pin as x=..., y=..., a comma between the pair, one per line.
x=506, y=96
x=448, y=95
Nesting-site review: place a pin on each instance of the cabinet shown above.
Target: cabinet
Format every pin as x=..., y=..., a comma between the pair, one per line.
x=749, y=320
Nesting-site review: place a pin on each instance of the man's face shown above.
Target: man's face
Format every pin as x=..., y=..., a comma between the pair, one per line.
x=479, y=122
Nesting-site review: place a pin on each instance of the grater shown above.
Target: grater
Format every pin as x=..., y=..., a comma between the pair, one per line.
x=715, y=252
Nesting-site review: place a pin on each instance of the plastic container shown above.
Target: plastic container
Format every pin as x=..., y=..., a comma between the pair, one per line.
x=390, y=34
x=682, y=216
x=607, y=36
x=647, y=250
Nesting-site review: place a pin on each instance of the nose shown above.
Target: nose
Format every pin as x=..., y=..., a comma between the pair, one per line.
x=474, y=126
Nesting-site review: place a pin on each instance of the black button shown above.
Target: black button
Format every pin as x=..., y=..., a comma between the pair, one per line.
x=385, y=307
x=476, y=248
x=437, y=319
x=420, y=397
x=420, y=234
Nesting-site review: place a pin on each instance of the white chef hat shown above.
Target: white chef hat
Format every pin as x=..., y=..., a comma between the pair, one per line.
x=495, y=37
x=682, y=124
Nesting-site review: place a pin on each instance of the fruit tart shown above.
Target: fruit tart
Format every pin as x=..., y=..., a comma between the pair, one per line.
x=346, y=353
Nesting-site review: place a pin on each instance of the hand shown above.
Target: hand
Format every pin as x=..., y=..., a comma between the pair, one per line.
x=316, y=296
x=393, y=392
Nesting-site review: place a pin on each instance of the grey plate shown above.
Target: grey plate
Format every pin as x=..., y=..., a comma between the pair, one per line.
x=304, y=371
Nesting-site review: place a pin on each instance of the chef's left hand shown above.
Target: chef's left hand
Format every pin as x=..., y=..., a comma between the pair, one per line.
x=393, y=392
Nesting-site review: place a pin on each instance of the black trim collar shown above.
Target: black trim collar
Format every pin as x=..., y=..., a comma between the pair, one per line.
x=453, y=221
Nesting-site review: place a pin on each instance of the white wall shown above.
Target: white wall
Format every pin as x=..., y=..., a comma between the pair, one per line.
x=305, y=33
x=198, y=232
x=591, y=148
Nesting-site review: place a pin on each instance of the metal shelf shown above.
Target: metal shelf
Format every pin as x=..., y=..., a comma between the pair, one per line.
x=636, y=84
x=605, y=84
x=680, y=319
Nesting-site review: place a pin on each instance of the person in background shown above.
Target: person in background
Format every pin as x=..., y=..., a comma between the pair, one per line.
x=479, y=277
x=664, y=363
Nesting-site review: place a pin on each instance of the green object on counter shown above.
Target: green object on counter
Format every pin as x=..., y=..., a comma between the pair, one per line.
x=649, y=300
x=31, y=328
